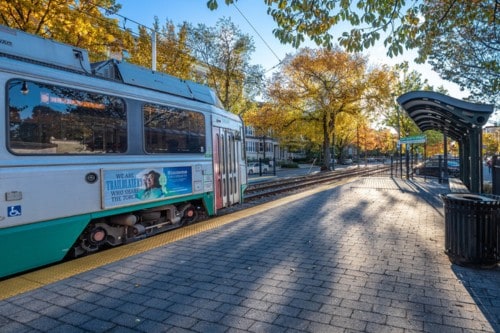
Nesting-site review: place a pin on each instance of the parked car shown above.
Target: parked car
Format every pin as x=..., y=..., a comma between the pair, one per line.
x=347, y=161
x=431, y=168
x=255, y=168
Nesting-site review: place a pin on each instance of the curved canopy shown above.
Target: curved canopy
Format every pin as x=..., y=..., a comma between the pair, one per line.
x=432, y=110
x=461, y=121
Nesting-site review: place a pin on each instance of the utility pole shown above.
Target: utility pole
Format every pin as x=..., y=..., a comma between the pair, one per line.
x=153, y=50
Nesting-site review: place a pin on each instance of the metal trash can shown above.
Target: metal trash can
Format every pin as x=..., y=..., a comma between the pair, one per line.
x=472, y=226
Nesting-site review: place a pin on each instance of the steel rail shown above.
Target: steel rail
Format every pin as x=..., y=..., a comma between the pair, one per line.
x=283, y=185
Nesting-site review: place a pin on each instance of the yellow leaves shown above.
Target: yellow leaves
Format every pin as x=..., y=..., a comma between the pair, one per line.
x=109, y=38
x=79, y=23
x=491, y=143
x=322, y=93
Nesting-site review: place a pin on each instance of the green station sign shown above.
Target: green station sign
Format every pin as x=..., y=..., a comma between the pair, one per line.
x=413, y=139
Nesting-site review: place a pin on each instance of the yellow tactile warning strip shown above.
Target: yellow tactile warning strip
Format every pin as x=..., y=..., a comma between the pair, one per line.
x=39, y=278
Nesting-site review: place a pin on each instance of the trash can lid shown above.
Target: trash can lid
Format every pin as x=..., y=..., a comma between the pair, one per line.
x=469, y=197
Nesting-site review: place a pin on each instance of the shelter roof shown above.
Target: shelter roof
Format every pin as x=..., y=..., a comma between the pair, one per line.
x=436, y=111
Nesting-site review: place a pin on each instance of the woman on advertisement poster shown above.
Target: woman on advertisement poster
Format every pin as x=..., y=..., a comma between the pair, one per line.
x=152, y=187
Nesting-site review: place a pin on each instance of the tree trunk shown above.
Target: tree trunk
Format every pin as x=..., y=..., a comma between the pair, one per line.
x=326, y=143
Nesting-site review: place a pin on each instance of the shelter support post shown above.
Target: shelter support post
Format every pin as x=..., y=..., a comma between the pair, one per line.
x=445, y=162
x=476, y=170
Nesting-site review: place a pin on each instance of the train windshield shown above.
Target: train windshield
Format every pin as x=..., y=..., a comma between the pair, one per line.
x=49, y=119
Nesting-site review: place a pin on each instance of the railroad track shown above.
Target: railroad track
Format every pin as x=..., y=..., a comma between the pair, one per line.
x=282, y=185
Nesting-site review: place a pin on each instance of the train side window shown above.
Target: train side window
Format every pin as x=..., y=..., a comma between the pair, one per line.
x=49, y=119
x=172, y=130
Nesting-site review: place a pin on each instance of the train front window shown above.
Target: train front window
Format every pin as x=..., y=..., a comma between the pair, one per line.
x=48, y=119
x=173, y=130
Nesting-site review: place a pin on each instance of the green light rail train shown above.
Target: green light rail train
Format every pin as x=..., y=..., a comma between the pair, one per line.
x=94, y=155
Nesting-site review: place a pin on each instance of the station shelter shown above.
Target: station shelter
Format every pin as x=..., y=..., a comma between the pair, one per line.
x=458, y=120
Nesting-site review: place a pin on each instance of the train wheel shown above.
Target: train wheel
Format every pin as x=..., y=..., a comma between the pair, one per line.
x=190, y=215
x=93, y=239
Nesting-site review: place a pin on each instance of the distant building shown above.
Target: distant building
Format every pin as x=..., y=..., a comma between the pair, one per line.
x=261, y=146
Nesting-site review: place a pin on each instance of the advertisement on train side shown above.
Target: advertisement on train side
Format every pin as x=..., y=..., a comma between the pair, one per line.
x=124, y=187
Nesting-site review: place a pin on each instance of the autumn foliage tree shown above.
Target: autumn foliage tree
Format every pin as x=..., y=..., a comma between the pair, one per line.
x=314, y=87
x=280, y=121
x=491, y=143
x=386, y=143
x=358, y=130
x=173, y=54
x=78, y=23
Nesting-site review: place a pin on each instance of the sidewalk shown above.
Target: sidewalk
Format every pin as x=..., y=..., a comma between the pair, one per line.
x=366, y=256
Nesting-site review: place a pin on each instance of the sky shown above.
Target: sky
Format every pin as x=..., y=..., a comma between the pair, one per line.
x=252, y=19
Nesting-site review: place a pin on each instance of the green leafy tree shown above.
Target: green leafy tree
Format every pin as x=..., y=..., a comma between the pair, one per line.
x=224, y=55
x=403, y=81
x=465, y=50
x=460, y=37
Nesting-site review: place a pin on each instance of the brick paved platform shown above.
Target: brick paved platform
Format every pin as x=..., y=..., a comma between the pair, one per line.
x=366, y=256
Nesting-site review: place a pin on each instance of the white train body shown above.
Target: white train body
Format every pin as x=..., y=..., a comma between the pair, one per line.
x=95, y=155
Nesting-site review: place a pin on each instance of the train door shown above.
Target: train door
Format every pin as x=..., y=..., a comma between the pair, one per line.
x=226, y=167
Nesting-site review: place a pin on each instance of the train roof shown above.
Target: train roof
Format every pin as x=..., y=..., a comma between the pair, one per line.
x=31, y=48
x=147, y=78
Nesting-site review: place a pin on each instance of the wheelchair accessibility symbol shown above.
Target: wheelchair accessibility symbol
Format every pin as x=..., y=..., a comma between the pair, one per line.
x=13, y=211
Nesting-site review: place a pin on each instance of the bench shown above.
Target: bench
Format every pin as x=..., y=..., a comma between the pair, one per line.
x=456, y=186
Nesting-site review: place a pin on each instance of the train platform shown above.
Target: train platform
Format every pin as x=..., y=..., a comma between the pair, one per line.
x=301, y=170
x=363, y=256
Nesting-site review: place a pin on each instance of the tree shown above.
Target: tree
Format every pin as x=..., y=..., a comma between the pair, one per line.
x=465, y=51
x=461, y=37
x=491, y=143
x=78, y=23
x=173, y=56
x=315, y=86
x=403, y=80
x=385, y=141
x=349, y=132
x=434, y=142
x=224, y=52
x=140, y=51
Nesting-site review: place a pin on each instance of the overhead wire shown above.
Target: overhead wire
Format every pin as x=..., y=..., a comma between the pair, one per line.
x=125, y=19
x=258, y=34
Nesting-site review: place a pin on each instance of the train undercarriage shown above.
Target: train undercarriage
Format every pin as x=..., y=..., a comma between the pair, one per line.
x=125, y=228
